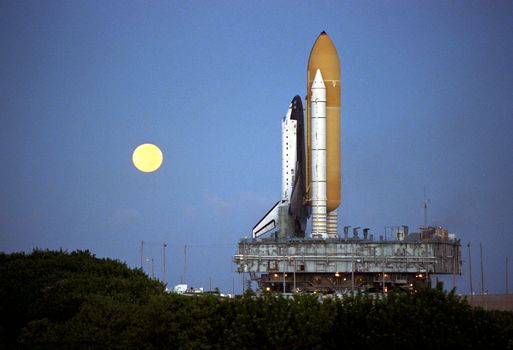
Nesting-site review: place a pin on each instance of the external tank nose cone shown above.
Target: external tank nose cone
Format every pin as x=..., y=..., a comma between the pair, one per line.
x=324, y=56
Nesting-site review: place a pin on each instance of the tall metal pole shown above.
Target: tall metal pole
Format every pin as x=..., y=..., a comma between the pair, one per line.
x=243, y=278
x=454, y=270
x=295, y=266
x=352, y=269
x=142, y=248
x=284, y=264
x=383, y=264
x=425, y=213
x=152, y=267
x=426, y=203
x=507, y=288
x=184, y=263
x=482, y=274
x=384, y=288
x=243, y=269
x=470, y=271
x=164, y=262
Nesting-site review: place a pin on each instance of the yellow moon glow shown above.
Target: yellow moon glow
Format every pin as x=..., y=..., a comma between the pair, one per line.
x=147, y=157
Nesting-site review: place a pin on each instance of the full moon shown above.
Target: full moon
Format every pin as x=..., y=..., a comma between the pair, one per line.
x=147, y=157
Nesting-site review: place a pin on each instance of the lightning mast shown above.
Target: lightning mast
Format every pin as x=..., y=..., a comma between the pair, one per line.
x=426, y=202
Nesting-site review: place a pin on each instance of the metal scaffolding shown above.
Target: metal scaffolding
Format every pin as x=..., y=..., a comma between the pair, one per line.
x=337, y=264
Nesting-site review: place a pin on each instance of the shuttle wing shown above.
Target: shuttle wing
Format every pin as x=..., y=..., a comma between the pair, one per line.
x=268, y=222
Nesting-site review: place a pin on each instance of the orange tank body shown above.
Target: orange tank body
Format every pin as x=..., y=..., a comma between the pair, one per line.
x=324, y=57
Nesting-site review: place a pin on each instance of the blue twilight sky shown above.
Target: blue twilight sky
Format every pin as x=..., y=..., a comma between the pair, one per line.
x=427, y=103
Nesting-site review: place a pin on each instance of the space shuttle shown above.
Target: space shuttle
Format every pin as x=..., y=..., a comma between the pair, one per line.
x=311, y=180
x=289, y=214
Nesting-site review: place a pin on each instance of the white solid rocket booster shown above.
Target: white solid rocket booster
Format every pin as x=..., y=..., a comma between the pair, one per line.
x=319, y=198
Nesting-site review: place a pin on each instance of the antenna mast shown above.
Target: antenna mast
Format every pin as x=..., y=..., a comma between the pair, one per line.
x=142, y=248
x=184, y=262
x=426, y=202
x=164, y=262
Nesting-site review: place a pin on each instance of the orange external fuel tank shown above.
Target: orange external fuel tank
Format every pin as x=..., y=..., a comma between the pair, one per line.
x=324, y=57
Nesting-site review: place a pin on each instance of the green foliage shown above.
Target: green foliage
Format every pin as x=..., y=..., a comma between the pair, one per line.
x=59, y=300
x=49, y=294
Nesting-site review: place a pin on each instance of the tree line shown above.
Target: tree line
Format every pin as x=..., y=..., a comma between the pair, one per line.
x=61, y=300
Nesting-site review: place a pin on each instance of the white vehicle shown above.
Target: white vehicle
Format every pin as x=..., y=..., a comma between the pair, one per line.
x=180, y=288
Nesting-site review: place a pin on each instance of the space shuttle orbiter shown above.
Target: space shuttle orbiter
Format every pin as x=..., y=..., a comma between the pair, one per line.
x=289, y=214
